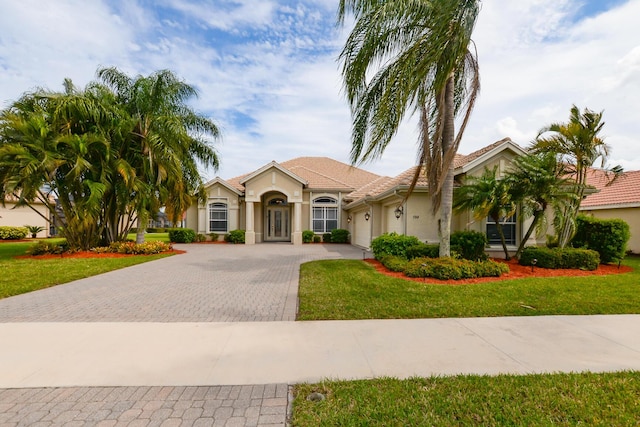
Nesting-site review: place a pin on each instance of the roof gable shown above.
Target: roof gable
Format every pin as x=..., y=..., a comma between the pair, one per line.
x=225, y=184
x=470, y=161
x=272, y=165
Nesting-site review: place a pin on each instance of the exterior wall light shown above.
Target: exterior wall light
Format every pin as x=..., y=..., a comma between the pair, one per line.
x=349, y=219
x=399, y=211
x=367, y=216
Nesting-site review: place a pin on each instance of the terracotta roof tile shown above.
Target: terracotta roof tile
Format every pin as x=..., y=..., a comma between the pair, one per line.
x=462, y=160
x=623, y=190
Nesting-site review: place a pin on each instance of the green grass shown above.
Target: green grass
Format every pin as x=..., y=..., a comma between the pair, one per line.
x=18, y=276
x=610, y=399
x=351, y=289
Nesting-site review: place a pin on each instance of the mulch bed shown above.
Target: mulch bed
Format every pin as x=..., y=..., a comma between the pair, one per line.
x=516, y=271
x=88, y=254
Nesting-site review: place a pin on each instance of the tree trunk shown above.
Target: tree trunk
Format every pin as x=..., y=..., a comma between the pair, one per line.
x=142, y=225
x=536, y=218
x=502, y=240
x=446, y=193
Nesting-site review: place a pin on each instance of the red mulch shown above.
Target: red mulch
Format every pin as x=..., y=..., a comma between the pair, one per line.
x=88, y=254
x=516, y=271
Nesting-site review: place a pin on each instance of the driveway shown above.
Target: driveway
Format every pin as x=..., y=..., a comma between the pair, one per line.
x=209, y=283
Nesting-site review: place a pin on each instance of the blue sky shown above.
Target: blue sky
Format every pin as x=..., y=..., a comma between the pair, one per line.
x=267, y=71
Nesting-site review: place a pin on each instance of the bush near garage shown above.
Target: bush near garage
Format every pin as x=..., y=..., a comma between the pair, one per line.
x=392, y=244
x=339, y=235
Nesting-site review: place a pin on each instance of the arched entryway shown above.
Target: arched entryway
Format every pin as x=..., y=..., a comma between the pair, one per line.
x=277, y=218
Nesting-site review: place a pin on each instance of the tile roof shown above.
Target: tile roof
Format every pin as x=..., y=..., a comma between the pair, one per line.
x=321, y=173
x=462, y=160
x=624, y=190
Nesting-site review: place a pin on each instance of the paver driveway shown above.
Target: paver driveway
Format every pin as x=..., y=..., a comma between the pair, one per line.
x=223, y=283
x=232, y=283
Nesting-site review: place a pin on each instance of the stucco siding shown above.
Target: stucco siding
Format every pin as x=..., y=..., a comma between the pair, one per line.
x=420, y=221
x=21, y=216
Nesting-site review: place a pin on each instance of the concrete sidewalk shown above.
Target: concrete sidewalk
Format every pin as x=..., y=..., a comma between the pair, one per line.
x=192, y=354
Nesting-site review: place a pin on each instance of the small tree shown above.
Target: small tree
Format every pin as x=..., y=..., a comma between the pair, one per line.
x=486, y=196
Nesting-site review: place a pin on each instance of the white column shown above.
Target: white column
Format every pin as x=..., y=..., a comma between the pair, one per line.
x=250, y=234
x=297, y=223
x=201, y=226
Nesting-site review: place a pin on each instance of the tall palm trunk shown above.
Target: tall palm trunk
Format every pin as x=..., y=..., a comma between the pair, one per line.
x=446, y=192
x=142, y=225
x=537, y=216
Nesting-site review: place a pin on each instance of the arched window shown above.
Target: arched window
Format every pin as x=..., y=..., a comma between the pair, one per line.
x=325, y=214
x=218, y=218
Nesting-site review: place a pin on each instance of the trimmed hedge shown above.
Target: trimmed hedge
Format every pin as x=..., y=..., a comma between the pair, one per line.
x=394, y=263
x=469, y=245
x=339, y=235
x=455, y=269
x=307, y=236
x=392, y=244
x=608, y=237
x=317, y=238
x=132, y=248
x=423, y=250
x=235, y=236
x=182, y=235
x=583, y=259
x=326, y=237
x=13, y=233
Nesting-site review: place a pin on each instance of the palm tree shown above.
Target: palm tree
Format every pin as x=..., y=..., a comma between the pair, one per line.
x=578, y=145
x=50, y=143
x=486, y=196
x=537, y=182
x=406, y=57
x=165, y=142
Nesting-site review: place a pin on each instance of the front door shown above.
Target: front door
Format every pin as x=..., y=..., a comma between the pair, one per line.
x=278, y=224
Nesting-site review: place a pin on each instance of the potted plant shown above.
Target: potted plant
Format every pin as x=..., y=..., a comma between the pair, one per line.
x=34, y=230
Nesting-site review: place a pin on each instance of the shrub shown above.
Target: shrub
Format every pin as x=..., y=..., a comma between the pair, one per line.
x=12, y=233
x=34, y=229
x=456, y=269
x=201, y=237
x=214, y=237
x=44, y=247
x=422, y=250
x=394, y=263
x=326, y=237
x=339, y=235
x=392, y=244
x=307, y=236
x=608, y=237
x=317, y=238
x=132, y=248
x=182, y=235
x=584, y=259
x=235, y=236
x=469, y=244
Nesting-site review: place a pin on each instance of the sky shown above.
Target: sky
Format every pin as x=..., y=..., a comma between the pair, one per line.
x=267, y=71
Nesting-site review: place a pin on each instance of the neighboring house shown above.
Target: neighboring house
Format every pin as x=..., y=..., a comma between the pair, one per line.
x=280, y=200
x=620, y=199
x=10, y=215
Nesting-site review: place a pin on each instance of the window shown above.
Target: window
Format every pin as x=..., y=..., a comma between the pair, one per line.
x=508, y=228
x=325, y=214
x=217, y=218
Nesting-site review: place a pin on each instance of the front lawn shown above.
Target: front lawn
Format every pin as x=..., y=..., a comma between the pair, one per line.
x=18, y=276
x=609, y=399
x=352, y=289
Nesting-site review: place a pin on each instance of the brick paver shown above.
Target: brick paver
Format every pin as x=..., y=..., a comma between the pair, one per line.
x=209, y=283
x=227, y=406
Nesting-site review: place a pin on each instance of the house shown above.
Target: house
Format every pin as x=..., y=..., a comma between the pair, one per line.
x=19, y=216
x=617, y=199
x=280, y=200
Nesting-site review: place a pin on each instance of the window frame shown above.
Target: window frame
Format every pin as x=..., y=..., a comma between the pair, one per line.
x=218, y=206
x=326, y=206
x=509, y=223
